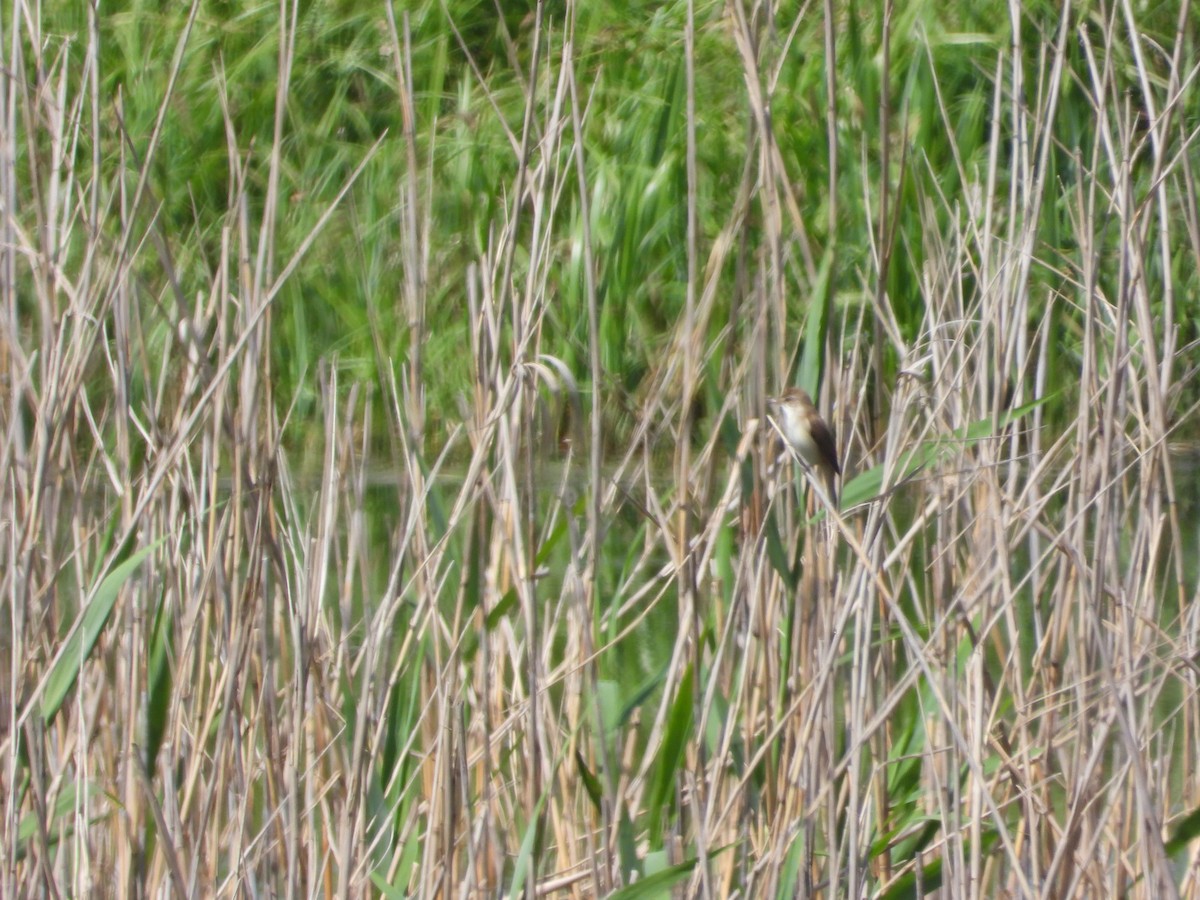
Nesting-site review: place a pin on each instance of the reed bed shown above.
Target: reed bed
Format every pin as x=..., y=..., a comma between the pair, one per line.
x=388, y=496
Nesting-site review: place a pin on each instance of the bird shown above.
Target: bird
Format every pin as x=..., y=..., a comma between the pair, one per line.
x=809, y=436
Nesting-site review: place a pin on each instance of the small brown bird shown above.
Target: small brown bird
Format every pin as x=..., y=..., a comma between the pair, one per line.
x=808, y=434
